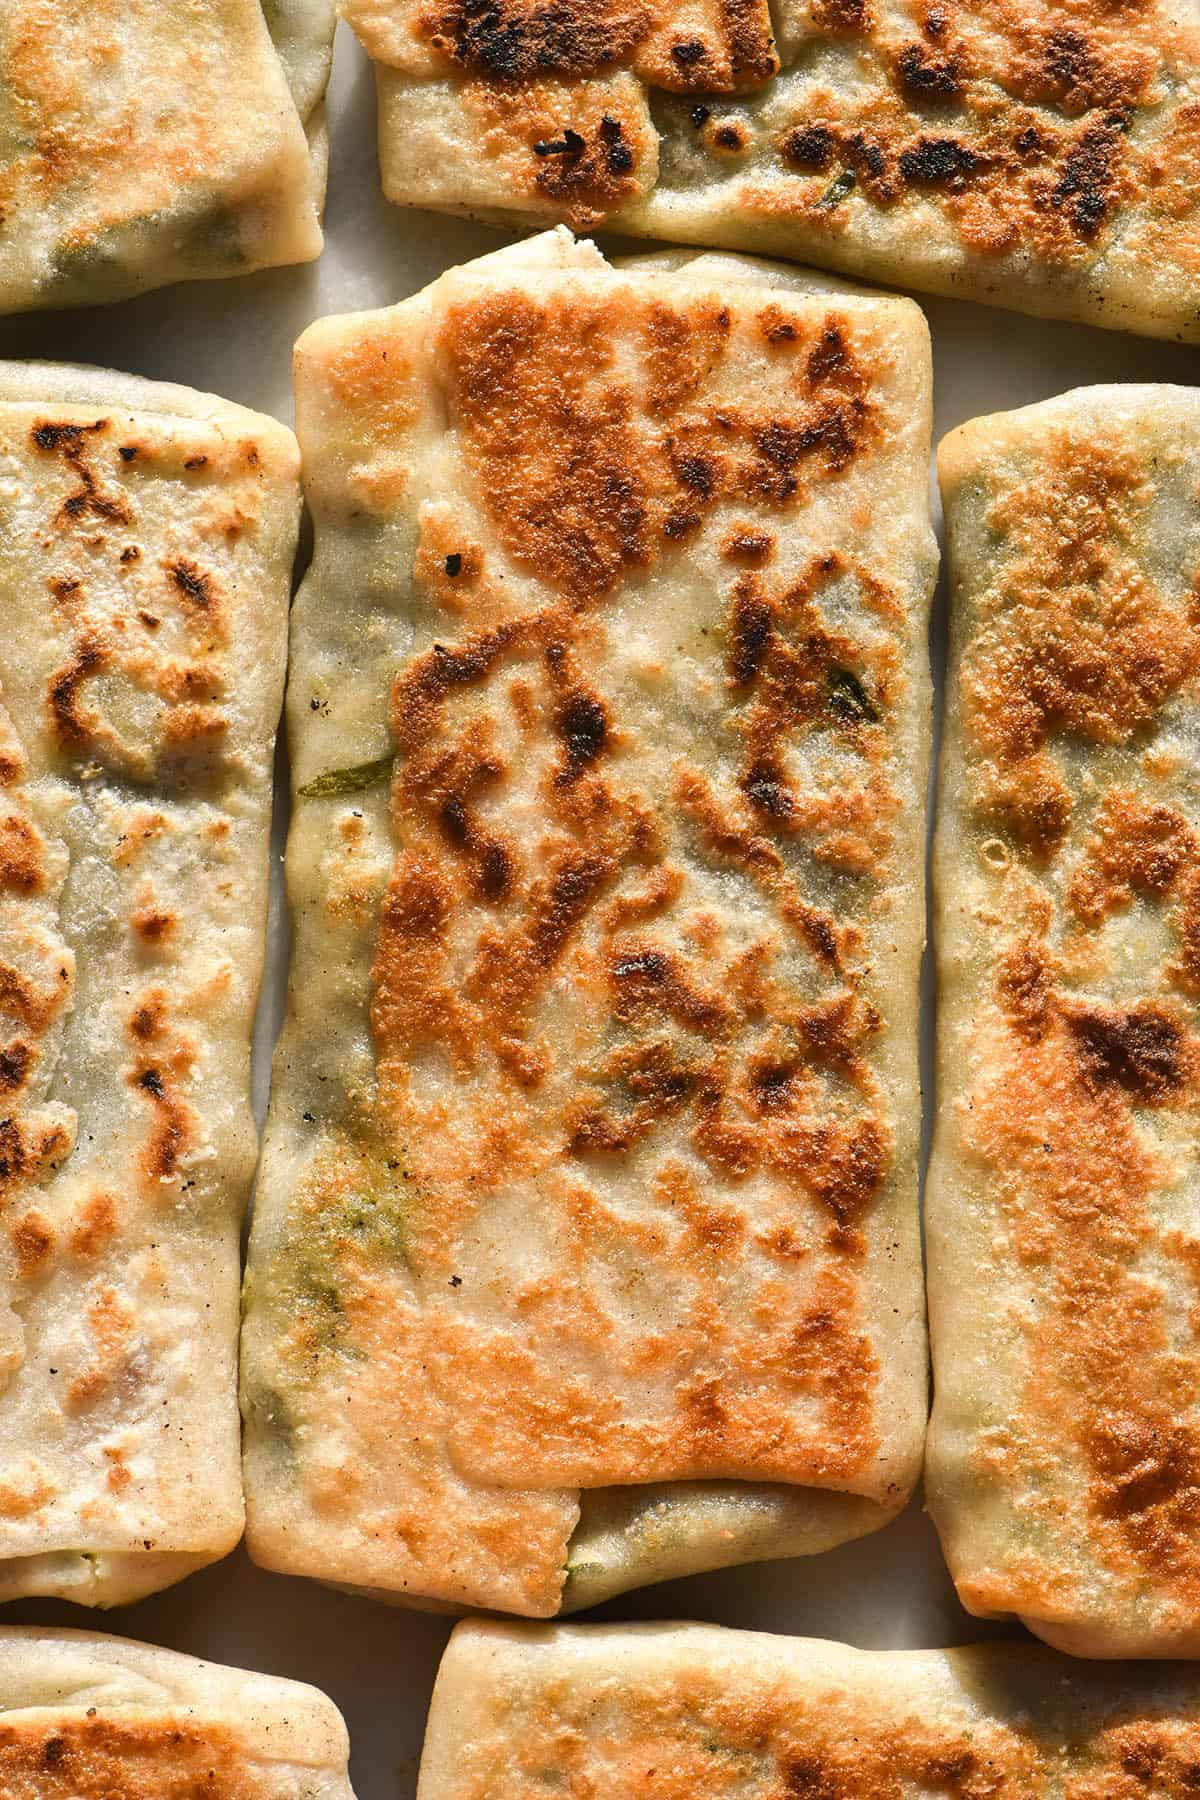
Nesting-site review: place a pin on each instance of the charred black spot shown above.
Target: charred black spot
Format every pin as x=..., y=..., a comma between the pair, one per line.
x=56, y=437
x=620, y=156
x=698, y=473
x=570, y=144
x=748, y=546
x=700, y=115
x=821, y=934
x=454, y=563
x=866, y=155
x=846, y=15
x=659, y=1087
x=785, y=445
x=646, y=967
x=766, y=789
x=729, y=137
x=1141, y=1051
x=495, y=871
x=152, y=1082
x=828, y=357
x=1087, y=177
x=1029, y=142
x=770, y=1084
x=809, y=147
x=688, y=53
x=1068, y=59
x=924, y=77
x=12, y=1150
x=192, y=583
x=54, y=1752
x=15, y=1059
x=751, y=638
x=680, y=523
x=127, y=452
x=583, y=726
x=453, y=817
x=938, y=162
x=782, y=444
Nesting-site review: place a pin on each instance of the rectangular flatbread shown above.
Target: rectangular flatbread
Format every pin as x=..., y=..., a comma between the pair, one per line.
x=1034, y=155
x=1064, y=1202
x=147, y=535
x=86, y=1717
x=151, y=141
x=675, y=1712
x=585, y=1247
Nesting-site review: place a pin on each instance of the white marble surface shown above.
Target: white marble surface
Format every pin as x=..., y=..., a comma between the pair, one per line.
x=235, y=338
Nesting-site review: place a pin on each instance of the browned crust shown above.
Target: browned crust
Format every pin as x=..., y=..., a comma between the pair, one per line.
x=1046, y=132
x=71, y=1756
x=715, y=1713
x=700, y=1055
x=1085, y=1084
x=516, y=41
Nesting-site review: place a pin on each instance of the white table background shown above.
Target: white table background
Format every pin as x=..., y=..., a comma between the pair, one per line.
x=235, y=338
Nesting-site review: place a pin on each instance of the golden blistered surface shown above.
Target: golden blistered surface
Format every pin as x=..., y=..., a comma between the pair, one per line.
x=143, y=558
x=142, y=141
x=103, y=1758
x=721, y=1714
x=1079, y=682
x=536, y=858
x=138, y=695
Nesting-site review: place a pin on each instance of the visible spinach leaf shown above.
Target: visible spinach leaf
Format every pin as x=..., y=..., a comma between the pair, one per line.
x=354, y=780
x=849, y=699
x=839, y=187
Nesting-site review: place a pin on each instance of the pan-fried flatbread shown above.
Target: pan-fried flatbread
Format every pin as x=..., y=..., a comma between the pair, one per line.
x=146, y=543
x=590, y=1164
x=1040, y=156
x=150, y=141
x=673, y=1712
x=85, y=1717
x=1064, y=1204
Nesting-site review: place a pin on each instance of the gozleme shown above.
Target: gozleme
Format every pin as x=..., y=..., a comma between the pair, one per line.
x=147, y=536
x=585, y=1248
x=670, y=1712
x=1040, y=156
x=1064, y=1205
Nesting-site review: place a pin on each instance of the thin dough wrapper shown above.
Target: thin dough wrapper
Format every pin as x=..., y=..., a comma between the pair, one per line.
x=147, y=538
x=85, y=1717
x=671, y=1712
x=151, y=141
x=1034, y=156
x=1063, y=1215
x=585, y=1246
